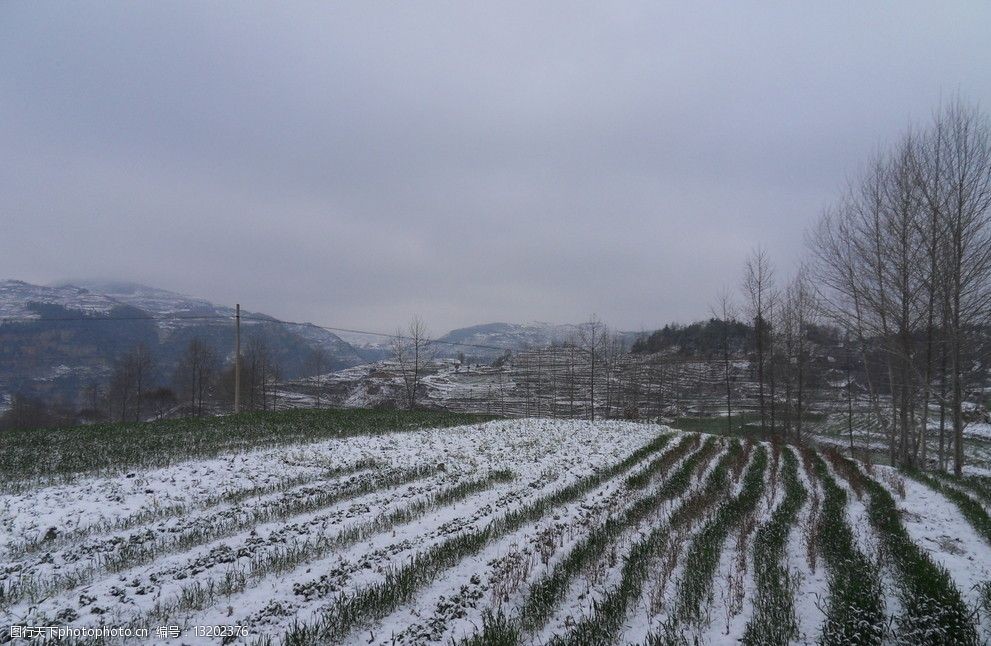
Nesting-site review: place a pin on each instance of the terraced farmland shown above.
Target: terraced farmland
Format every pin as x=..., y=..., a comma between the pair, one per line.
x=505, y=532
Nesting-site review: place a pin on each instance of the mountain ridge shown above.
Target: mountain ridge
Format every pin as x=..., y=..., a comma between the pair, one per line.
x=55, y=340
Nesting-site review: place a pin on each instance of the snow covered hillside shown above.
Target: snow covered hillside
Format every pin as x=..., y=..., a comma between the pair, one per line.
x=513, y=336
x=58, y=341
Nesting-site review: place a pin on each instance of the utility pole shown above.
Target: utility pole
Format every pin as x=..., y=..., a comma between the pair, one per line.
x=237, y=359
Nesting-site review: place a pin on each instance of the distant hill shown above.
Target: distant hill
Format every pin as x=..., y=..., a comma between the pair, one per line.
x=163, y=303
x=54, y=340
x=512, y=336
x=371, y=347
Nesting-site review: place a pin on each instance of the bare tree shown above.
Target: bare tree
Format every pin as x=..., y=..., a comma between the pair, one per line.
x=658, y=375
x=128, y=382
x=725, y=311
x=786, y=330
x=593, y=339
x=317, y=363
x=161, y=399
x=196, y=372
x=412, y=352
x=905, y=249
x=772, y=357
x=797, y=313
x=93, y=397
x=274, y=376
x=758, y=286
x=841, y=271
x=926, y=163
x=904, y=264
x=142, y=364
x=522, y=365
x=611, y=367
x=633, y=391
x=120, y=390
x=957, y=158
x=572, y=376
x=869, y=255
x=260, y=372
x=28, y=413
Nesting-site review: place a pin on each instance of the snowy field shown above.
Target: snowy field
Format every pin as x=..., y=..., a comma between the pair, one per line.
x=521, y=531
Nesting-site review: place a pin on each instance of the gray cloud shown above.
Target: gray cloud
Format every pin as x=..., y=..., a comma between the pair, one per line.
x=352, y=163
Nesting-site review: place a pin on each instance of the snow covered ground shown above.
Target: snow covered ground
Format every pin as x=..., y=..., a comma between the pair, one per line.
x=423, y=536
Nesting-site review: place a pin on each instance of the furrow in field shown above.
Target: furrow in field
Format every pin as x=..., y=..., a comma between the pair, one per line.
x=967, y=559
x=63, y=509
x=438, y=616
x=976, y=515
x=200, y=594
x=346, y=568
x=548, y=590
x=734, y=587
x=646, y=561
x=855, y=603
x=979, y=486
x=774, y=619
x=933, y=610
x=666, y=569
x=603, y=574
x=604, y=621
x=192, y=577
x=39, y=460
x=400, y=584
x=804, y=558
x=276, y=599
x=546, y=595
x=856, y=503
x=33, y=581
x=60, y=512
x=866, y=538
x=589, y=592
x=58, y=540
x=693, y=603
x=948, y=535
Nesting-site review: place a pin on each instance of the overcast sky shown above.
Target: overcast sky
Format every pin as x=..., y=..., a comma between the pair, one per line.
x=352, y=163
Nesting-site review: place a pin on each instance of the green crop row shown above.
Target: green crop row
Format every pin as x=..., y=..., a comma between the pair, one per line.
x=695, y=590
x=933, y=611
x=548, y=591
x=774, y=620
x=606, y=619
x=855, y=603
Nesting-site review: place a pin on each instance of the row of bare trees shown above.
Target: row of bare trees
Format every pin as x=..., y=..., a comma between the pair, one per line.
x=260, y=372
x=903, y=263
x=201, y=382
x=780, y=319
x=129, y=381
